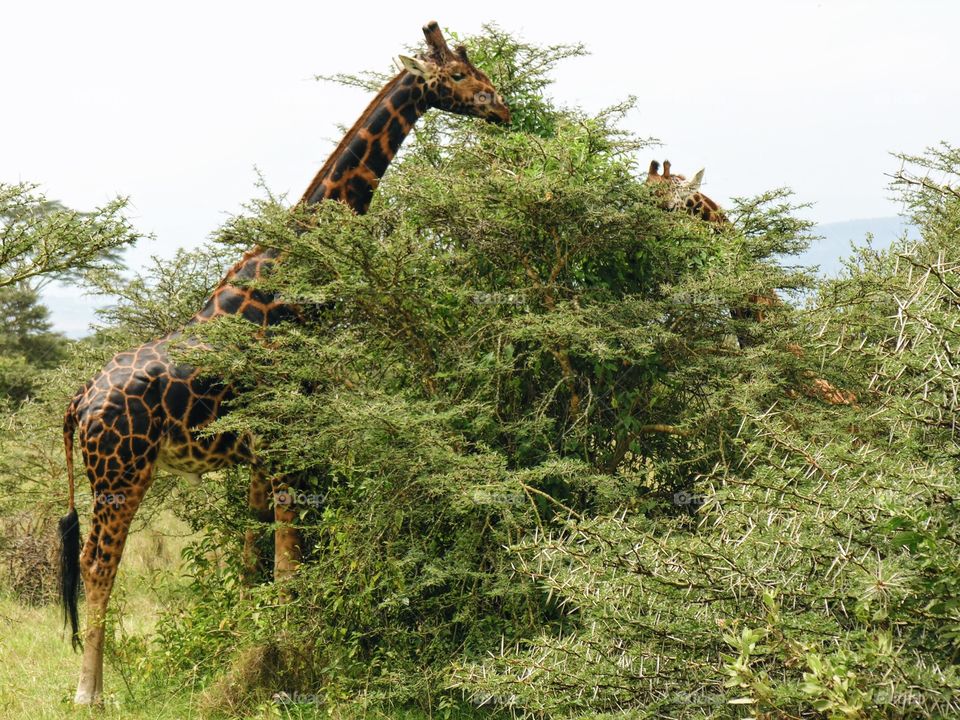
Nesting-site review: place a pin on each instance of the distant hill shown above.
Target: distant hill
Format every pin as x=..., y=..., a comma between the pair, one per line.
x=838, y=237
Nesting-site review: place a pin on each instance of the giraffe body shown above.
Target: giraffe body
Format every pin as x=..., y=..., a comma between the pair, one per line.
x=145, y=411
x=677, y=193
x=143, y=405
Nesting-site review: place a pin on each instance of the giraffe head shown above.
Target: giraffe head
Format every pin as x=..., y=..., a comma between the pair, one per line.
x=452, y=82
x=673, y=190
x=677, y=193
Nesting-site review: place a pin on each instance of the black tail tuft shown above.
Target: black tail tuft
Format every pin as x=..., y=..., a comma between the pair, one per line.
x=70, y=573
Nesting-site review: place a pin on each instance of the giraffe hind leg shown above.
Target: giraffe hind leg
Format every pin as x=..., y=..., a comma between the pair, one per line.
x=116, y=499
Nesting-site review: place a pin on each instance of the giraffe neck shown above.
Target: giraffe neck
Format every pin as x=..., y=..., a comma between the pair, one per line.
x=353, y=171
x=699, y=205
x=350, y=175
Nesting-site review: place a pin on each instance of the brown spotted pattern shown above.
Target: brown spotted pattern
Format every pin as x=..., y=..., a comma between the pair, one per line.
x=143, y=410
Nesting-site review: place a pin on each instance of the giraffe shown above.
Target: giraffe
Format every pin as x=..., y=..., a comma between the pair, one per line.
x=142, y=410
x=676, y=192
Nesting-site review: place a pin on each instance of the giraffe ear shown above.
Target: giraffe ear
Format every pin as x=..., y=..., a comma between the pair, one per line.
x=694, y=184
x=414, y=66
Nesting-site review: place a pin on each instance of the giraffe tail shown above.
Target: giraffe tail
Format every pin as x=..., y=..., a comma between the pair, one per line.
x=69, y=527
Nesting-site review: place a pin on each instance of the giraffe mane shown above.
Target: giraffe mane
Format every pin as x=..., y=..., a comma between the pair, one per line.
x=321, y=174
x=351, y=134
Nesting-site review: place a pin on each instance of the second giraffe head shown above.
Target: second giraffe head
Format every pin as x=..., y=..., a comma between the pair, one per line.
x=674, y=190
x=452, y=82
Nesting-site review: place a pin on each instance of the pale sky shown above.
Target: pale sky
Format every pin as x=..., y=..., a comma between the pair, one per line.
x=174, y=104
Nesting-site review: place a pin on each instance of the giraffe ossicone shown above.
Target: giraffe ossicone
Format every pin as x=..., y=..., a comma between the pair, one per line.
x=143, y=411
x=676, y=193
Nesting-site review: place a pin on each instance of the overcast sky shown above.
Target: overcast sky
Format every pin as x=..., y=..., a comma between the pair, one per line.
x=174, y=104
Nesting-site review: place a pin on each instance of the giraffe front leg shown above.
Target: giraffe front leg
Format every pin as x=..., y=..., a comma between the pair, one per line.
x=287, y=538
x=259, y=504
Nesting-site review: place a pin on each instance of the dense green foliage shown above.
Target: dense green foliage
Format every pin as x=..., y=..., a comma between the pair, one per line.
x=537, y=473
x=516, y=342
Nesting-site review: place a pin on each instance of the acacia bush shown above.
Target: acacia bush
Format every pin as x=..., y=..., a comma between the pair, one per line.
x=820, y=576
x=515, y=344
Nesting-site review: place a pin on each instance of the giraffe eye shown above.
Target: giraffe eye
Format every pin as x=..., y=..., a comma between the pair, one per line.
x=457, y=77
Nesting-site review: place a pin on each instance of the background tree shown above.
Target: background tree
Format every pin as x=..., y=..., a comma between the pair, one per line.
x=41, y=240
x=27, y=343
x=41, y=237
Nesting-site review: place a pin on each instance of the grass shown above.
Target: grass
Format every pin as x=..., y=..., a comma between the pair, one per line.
x=39, y=674
x=39, y=671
